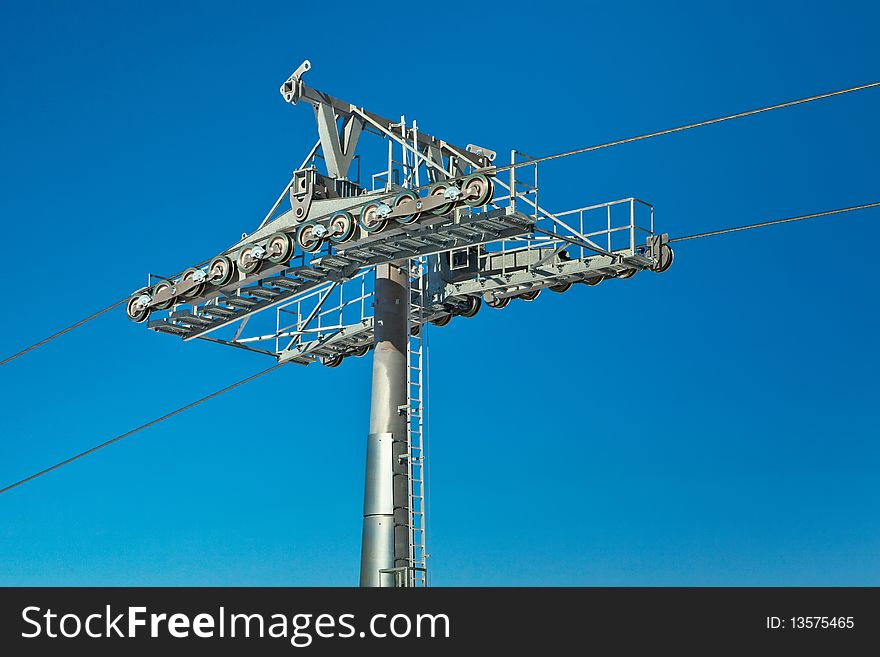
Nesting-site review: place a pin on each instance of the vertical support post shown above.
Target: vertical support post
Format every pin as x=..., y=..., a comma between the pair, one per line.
x=377, y=551
x=390, y=165
x=512, y=181
x=608, y=214
x=416, y=163
x=536, y=191
x=385, y=541
x=632, y=226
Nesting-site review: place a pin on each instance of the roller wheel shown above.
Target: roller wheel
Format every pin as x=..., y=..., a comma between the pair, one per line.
x=308, y=240
x=135, y=311
x=220, y=271
x=342, y=227
x=477, y=190
x=249, y=258
x=442, y=320
x=279, y=248
x=594, y=281
x=498, y=302
x=402, y=198
x=439, y=189
x=667, y=257
x=562, y=287
x=362, y=351
x=162, y=286
x=369, y=218
x=332, y=361
x=189, y=275
x=628, y=273
x=531, y=295
x=471, y=307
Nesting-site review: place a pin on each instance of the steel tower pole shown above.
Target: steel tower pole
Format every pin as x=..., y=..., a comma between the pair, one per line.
x=385, y=540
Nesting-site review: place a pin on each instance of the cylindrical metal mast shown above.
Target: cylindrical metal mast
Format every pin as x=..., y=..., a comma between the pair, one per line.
x=385, y=542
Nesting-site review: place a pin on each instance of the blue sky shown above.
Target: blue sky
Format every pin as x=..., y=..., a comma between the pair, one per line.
x=715, y=425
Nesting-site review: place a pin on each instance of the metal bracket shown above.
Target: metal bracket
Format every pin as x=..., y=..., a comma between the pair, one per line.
x=307, y=185
x=291, y=90
x=655, y=244
x=479, y=150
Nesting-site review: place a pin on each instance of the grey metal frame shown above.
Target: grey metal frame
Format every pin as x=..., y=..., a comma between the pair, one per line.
x=329, y=306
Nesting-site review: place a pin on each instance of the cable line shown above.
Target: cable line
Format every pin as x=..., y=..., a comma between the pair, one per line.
x=141, y=428
x=62, y=332
x=681, y=128
x=774, y=222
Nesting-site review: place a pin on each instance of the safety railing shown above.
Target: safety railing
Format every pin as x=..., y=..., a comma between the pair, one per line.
x=324, y=309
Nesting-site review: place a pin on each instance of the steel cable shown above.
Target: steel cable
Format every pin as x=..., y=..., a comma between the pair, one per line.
x=775, y=222
x=62, y=332
x=140, y=428
x=681, y=128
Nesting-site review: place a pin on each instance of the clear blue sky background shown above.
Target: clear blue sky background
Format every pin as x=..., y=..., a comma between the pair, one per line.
x=716, y=425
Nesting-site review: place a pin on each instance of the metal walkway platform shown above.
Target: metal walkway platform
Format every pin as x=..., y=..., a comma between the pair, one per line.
x=465, y=230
